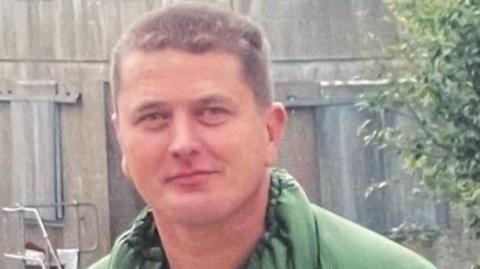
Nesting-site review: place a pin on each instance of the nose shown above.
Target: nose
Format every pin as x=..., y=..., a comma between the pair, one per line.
x=184, y=142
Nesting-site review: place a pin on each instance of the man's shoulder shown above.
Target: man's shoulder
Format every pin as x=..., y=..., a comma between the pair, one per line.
x=344, y=244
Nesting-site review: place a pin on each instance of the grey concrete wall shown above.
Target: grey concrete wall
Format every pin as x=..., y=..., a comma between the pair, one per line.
x=321, y=30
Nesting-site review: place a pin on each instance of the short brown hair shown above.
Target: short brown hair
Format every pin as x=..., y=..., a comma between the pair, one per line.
x=197, y=29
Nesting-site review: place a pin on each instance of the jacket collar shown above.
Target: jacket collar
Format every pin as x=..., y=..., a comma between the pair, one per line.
x=286, y=243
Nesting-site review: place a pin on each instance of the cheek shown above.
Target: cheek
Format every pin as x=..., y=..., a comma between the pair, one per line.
x=143, y=150
x=241, y=145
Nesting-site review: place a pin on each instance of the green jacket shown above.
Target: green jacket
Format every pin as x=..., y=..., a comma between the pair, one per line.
x=298, y=235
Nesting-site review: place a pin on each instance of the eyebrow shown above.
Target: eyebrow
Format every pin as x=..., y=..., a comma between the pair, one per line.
x=213, y=99
x=149, y=105
x=216, y=99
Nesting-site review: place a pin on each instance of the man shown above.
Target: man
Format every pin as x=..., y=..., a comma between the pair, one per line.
x=199, y=133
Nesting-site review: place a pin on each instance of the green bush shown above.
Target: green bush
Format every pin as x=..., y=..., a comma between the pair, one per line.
x=437, y=85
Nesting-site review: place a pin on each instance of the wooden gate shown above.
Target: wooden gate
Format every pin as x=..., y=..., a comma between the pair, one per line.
x=322, y=149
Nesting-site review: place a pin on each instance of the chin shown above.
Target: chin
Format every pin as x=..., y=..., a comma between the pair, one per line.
x=199, y=216
x=199, y=210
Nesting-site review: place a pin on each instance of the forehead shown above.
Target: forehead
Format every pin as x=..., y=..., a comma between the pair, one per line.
x=175, y=74
x=170, y=63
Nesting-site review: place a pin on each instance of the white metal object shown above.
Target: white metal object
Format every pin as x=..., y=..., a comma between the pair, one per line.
x=44, y=235
x=37, y=260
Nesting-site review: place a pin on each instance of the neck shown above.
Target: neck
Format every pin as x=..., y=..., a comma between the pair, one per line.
x=224, y=244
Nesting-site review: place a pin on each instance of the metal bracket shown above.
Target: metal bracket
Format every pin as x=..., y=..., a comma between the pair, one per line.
x=38, y=90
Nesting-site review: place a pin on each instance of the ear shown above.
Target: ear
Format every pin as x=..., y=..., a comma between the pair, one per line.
x=276, y=120
x=124, y=162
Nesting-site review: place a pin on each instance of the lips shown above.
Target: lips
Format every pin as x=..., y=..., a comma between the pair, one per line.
x=190, y=177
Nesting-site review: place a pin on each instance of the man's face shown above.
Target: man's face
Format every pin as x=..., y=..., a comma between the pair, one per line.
x=194, y=141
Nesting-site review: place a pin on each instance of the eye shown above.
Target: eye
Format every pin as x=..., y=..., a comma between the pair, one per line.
x=215, y=111
x=214, y=115
x=156, y=119
x=155, y=116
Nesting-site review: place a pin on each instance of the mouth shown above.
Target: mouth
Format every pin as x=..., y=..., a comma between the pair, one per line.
x=190, y=177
